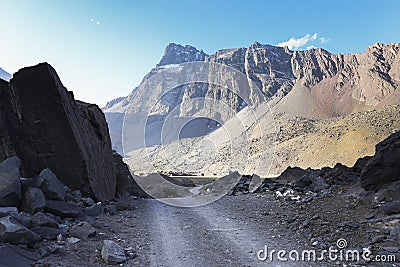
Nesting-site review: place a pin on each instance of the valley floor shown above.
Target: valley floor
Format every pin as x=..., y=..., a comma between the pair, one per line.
x=230, y=232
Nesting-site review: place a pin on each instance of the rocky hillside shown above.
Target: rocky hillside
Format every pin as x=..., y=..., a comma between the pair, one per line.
x=298, y=85
x=46, y=127
x=340, y=83
x=301, y=142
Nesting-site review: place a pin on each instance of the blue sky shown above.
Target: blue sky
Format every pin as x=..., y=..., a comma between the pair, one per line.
x=102, y=49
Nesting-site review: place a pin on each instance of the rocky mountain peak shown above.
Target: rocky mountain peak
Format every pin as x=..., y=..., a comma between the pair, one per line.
x=177, y=54
x=113, y=102
x=255, y=44
x=264, y=46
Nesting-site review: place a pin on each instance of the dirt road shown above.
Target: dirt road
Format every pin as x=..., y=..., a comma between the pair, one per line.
x=213, y=235
x=227, y=232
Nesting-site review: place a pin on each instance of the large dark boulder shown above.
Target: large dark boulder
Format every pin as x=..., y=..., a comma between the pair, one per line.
x=5, y=211
x=391, y=207
x=13, y=232
x=10, y=185
x=384, y=166
x=14, y=256
x=82, y=230
x=42, y=123
x=62, y=208
x=125, y=181
x=48, y=232
x=33, y=201
x=52, y=188
x=41, y=219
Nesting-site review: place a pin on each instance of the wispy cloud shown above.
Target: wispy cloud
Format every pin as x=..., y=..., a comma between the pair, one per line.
x=324, y=40
x=97, y=22
x=294, y=43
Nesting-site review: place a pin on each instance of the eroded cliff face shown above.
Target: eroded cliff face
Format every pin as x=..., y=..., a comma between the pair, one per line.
x=177, y=54
x=356, y=80
x=343, y=84
x=46, y=127
x=312, y=84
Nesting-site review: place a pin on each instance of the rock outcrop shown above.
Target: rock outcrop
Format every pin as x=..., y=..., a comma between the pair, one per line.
x=45, y=208
x=112, y=253
x=340, y=83
x=13, y=232
x=326, y=85
x=42, y=124
x=176, y=54
x=299, y=85
x=384, y=166
x=10, y=185
x=125, y=181
x=33, y=201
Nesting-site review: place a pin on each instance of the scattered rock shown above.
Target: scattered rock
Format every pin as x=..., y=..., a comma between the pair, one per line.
x=5, y=211
x=307, y=199
x=77, y=194
x=82, y=230
x=41, y=219
x=73, y=240
x=391, y=207
x=88, y=201
x=395, y=234
x=48, y=182
x=94, y=210
x=306, y=223
x=111, y=209
x=377, y=239
x=384, y=166
x=10, y=185
x=14, y=256
x=13, y=232
x=303, y=182
x=60, y=240
x=61, y=208
x=33, y=200
x=47, y=232
x=318, y=184
x=349, y=224
x=392, y=249
x=316, y=216
x=24, y=219
x=385, y=195
x=370, y=216
x=130, y=252
x=121, y=205
x=112, y=253
x=46, y=251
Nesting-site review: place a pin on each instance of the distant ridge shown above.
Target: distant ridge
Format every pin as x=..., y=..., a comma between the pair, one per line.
x=312, y=84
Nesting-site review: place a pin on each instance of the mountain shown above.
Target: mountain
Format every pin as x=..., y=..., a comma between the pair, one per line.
x=5, y=75
x=46, y=127
x=177, y=54
x=313, y=87
x=336, y=80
